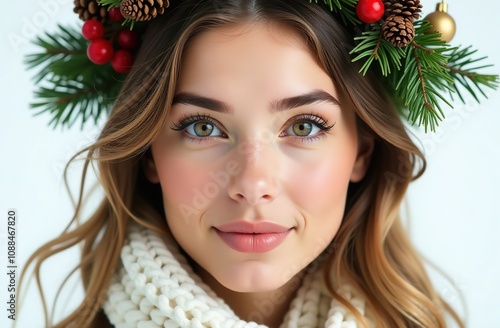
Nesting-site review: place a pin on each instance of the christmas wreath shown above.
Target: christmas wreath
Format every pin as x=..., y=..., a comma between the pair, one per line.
x=82, y=69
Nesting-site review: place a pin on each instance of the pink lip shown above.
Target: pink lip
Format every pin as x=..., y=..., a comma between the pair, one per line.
x=252, y=227
x=252, y=237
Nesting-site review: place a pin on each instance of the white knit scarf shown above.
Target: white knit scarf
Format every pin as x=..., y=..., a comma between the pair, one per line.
x=156, y=287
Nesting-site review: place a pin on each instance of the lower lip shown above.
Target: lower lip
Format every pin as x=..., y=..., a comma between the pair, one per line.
x=252, y=243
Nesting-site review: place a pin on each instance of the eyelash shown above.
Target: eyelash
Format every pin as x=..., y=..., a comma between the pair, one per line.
x=187, y=120
x=317, y=120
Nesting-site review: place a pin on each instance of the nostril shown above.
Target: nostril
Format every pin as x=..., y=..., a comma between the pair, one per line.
x=253, y=186
x=251, y=200
x=239, y=197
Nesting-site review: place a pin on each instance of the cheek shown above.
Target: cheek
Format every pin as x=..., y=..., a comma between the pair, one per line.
x=320, y=187
x=186, y=186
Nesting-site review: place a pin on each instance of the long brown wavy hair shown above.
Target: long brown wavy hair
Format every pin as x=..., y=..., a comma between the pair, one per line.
x=372, y=250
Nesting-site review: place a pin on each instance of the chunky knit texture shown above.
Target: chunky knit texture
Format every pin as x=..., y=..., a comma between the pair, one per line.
x=157, y=288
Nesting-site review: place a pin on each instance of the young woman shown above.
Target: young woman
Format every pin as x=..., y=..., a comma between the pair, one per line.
x=253, y=177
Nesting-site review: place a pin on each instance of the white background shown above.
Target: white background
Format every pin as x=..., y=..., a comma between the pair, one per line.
x=453, y=209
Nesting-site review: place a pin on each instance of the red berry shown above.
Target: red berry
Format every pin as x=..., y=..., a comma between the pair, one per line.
x=128, y=39
x=370, y=11
x=122, y=61
x=115, y=15
x=100, y=51
x=92, y=30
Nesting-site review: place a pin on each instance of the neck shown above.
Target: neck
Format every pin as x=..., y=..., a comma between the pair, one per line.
x=266, y=308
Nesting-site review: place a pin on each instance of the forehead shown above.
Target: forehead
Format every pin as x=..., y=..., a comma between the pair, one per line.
x=277, y=32
x=261, y=53
x=249, y=40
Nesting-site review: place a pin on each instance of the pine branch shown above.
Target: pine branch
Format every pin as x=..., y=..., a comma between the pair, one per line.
x=414, y=74
x=459, y=66
x=421, y=78
x=73, y=87
x=372, y=47
x=58, y=49
x=424, y=78
x=69, y=101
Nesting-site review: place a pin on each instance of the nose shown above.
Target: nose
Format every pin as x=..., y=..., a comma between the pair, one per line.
x=257, y=181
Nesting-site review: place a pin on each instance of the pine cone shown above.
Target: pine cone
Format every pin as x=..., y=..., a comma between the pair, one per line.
x=398, y=30
x=143, y=10
x=90, y=9
x=405, y=8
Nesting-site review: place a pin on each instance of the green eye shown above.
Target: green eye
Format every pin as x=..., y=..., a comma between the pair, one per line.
x=302, y=129
x=201, y=129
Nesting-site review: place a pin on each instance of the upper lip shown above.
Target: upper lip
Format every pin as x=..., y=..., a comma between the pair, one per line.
x=252, y=227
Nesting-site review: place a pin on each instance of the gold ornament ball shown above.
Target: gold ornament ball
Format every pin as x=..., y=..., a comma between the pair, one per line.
x=442, y=22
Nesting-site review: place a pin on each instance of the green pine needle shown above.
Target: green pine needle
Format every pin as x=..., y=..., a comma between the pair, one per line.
x=424, y=78
x=116, y=3
x=109, y=3
x=420, y=74
x=58, y=48
x=130, y=22
x=372, y=47
x=463, y=68
x=73, y=87
x=421, y=85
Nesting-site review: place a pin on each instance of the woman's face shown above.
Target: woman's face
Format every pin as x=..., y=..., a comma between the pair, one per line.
x=256, y=157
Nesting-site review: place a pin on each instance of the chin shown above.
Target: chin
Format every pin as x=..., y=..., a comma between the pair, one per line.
x=254, y=277
x=258, y=287
x=255, y=285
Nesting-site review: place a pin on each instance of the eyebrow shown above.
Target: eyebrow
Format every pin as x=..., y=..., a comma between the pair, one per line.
x=312, y=97
x=188, y=98
x=315, y=96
